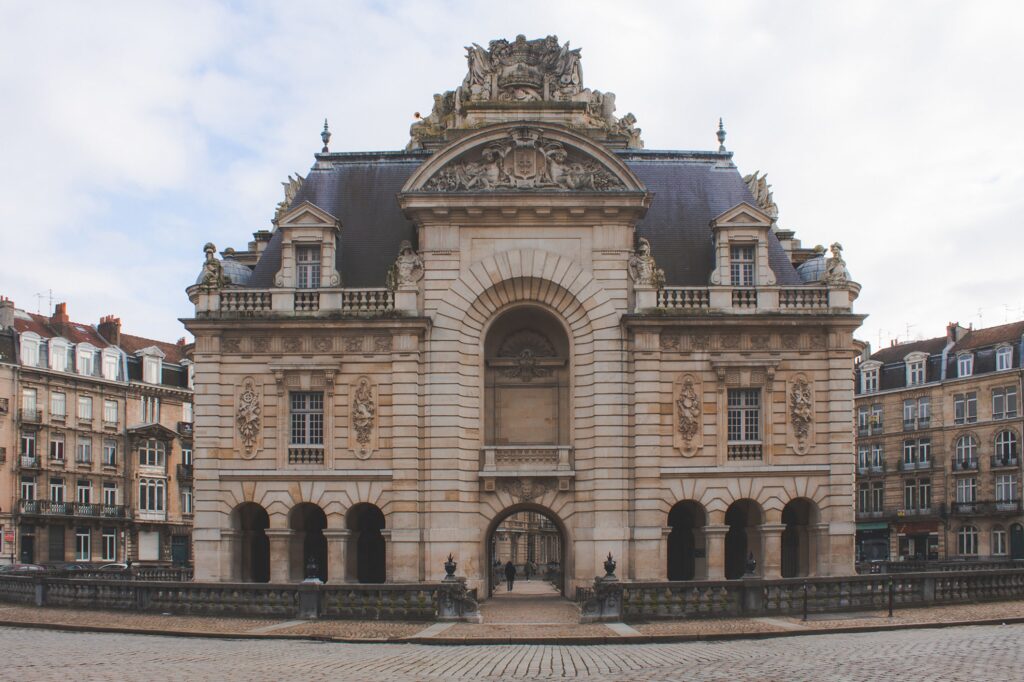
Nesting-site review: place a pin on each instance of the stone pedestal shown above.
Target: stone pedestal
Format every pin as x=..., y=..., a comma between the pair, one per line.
x=714, y=543
x=771, y=558
x=337, y=554
x=280, y=546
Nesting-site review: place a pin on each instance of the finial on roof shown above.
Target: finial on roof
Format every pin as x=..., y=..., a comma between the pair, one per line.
x=325, y=136
x=721, y=136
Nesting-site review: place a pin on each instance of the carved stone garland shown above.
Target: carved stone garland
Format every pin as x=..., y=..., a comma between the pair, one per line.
x=689, y=411
x=364, y=412
x=529, y=351
x=801, y=411
x=248, y=417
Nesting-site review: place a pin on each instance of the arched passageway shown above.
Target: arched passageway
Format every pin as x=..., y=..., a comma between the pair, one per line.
x=686, y=555
x=367, y=560
x=798, y=516
x=252, y=547
x=743, y=537
x=533, y=539
x=307, y=522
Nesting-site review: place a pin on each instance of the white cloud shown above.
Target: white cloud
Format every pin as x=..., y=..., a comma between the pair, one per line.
x=135, y=132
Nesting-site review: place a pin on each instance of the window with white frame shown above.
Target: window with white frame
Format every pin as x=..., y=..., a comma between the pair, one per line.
x=924, y=494
x=924, y=412
x=109, y=552
x=83, y=549
x=186, y=456
x=964, y=365
x=58, y=405
x=863, y=456
x=924, y=450
x=150, y=410
x=151, y=494
x=307, y=418
x=1006, y=488
x=876, y=419
x=29, y=405
x=965, y=408
x=111, y=363
x=57, y=446
x=863, y=418
x=967, y=490
x=877, y=456
x=30, y=349
x=110, y=494
x=83, y=492
x=966, y=451
x=59, y=352
x=910, y=494
x=86, y=360
x=307, y=267
x=967, y=541
x=28, y=488
x=909, y=414
x=863, y=498
x=56, y=489
x=1004, y=358
x=915, y=372
x=878, y=496
x=744, y=415
x=109, y=452
x=1004, y=402
x=28, y=444
x=741, y=265
x=186, y=500
x=84, y=408
x=186, y=412
x=109, y=411
x=151, y=369
x=83, y=455
x=868, y=379
x=151, y=453
x=909, y=453
x=998, y=540
x=1006, y=447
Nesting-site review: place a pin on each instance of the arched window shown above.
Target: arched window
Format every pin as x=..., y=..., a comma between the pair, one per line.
x=1006, y=447
x=967, y=541
x=966, y=452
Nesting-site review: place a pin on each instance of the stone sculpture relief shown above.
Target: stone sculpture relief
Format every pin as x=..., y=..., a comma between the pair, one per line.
x=642, y=268
x=291, y=190
x=231, y=345
x=670, y=341
x=762, y=191
x=292, y=344
x=407, y=269
x=524, y=490
x=523, y=70
x=213, y=272
x=364, y=411
x=322, y=344
x=248, y=416
x=801, y=411
x=835, y=267
x=526, y=160
x=688, y=406
x=526, y=349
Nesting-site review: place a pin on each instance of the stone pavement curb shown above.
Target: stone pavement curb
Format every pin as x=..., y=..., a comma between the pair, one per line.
x=554, y=640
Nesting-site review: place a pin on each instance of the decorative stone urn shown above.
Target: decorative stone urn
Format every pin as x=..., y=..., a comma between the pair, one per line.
x=449, y=568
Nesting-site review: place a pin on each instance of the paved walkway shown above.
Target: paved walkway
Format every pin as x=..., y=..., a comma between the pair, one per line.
x=973, y=654
x=521, y=617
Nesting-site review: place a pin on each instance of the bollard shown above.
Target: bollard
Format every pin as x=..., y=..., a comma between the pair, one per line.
x=805, y=601
x=892, y=595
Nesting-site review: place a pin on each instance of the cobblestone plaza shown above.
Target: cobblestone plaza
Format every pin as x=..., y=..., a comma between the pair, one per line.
x=975, y=653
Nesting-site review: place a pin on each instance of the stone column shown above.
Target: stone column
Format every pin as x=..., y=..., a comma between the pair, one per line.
x=280, y=553
x=229, y=554
x=771, y=558
x=819, y=551
x=389, y=558
x=337, y=554
x=714, y=543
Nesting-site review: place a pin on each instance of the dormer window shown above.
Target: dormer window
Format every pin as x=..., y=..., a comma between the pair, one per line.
x=741, y=262
x=86, y=360
x=868, y=378
x=59, y=351
x=307, y=267
x=30, y=350
x=916, y=369
x=151, y=369
x=110, y=365
x=964, y=365
x=1004, y=358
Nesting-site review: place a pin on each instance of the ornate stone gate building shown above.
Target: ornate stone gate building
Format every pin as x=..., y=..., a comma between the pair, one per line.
x=622, y=340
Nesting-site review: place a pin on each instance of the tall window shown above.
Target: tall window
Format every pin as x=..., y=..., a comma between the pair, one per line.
x=1006, y=447
x=877, y=496
x=56, y=489
x=1004, y=402
x=109, y=411
x=877, y=456
x=109, y=452
x=863, y=456
x=1006, y=488
x=965, y=365
x=186, y=456
x=151, y=369
x=83, y=454
x=744, y=414
x=110, y=365
x=863, y=417
x=998, y=540
x=85, y=408
x=28, y=488
x=924, y=412
x=109, y=544
x=915, y=372
x=30, y=350
x=150, y=410
x=86, y=361
x=966, y=451
x=924, y=494
x=864, y=497
x=967, y=490
x=59, y=351
x=58, y=405
x=741, y=260
x=1004, y=358
x=28, y=443
x=967, y=541
x=83, y=549
x=869, y=380
x=83, y=492
x=910, y=494
x=186, y=500
x=909, y=454
x=151, y=494
x=57, y=446
x=909, y=415
x=965, y=408
x=110, y=494
x=29, y=406
x=924, y=451
x=307, y=418
x=151, y=453
x=186, y=412
x=307, y=267
x=876, y=419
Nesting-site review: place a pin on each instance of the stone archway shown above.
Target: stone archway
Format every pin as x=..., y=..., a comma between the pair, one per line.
x=744, y=518
x=307, y=522
x=686, y=553
x=798, y=517
x=540, y=535
x=366, y=556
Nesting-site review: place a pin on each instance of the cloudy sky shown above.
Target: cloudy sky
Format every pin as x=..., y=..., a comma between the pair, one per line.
x=132, y=133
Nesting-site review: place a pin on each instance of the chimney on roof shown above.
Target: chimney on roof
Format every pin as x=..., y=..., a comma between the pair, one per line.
x=110, y=329
x=60, y=316
x=6, y=313
x=181, y=341
x=955, y=331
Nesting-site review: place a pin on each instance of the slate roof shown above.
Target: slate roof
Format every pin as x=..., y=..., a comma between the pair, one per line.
x=42, y=325
x=990, y=336
x=133, y=344
x=689, y=189
x=898, y=352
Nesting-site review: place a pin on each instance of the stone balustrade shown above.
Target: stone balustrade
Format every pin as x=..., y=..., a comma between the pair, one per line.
x=796, y=299
x=529, y=457
x=257, y=303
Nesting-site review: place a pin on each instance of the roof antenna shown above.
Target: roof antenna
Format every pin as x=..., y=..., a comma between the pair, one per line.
x=326, y=137
x=721, y=136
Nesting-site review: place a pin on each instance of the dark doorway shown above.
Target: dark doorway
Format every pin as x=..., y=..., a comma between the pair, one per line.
x=797, y=516
x=1016, y=542
x=179, y=550
x=55, y=536
x=308, y=542
x=743, y=518
x=685, y=541
x=28, y=545
x=366, y=556
x=253, y=562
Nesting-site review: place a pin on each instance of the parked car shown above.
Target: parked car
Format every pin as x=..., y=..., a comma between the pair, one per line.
x=114, y=567
x=21, y=568
x=69, y=567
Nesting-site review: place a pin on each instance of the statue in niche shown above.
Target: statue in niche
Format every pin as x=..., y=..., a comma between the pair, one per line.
x=407, y=269
x=642, y=268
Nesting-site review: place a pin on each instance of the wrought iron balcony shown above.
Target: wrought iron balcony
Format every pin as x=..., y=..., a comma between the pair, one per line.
x=870, y=514
x=184, y=472
x=76, y=509
x=915, y=466
x=965, y=465
x=1005, y=461
x=185, y=428
x=29, y=462
x=30, y=415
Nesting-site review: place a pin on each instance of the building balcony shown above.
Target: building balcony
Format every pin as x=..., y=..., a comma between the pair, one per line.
x=185, y=429
x=1005, y=462
x=965, y=466
x=536, y=461
x=150, y=515
x=30, y=415
x=916, y=466
x=915, y=512
x=305, y=454
x=871, y=514
x=873, y=470
x=29, y=462
x=184, y=472
x=75, y=509
x=265, y=303
x=109, y=425
x=988, y=508
x=1007, y=506
x=800, y=299
x=744, y=452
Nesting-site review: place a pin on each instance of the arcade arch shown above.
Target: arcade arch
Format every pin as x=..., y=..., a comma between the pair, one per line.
x=251, y=560
x=366, y=556
x=527, y=533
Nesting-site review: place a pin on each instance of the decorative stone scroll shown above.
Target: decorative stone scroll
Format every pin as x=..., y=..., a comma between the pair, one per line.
x=364, y=416
x=801, y=412
x=526, y=160
x=249, y=417
x=688, y=415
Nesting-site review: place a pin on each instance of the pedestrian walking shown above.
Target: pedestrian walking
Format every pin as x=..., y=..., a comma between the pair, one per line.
x=510, y=575
x=527, y=569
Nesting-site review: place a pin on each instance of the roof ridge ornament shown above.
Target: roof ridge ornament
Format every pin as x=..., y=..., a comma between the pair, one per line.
x=762, y=193
x=721, y=135
x=325, y=135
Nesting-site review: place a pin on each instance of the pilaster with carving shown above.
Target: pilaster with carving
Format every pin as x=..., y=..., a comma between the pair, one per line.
x=364, y=418
x=688, y=425
x=801, y=413
x=249, y=417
